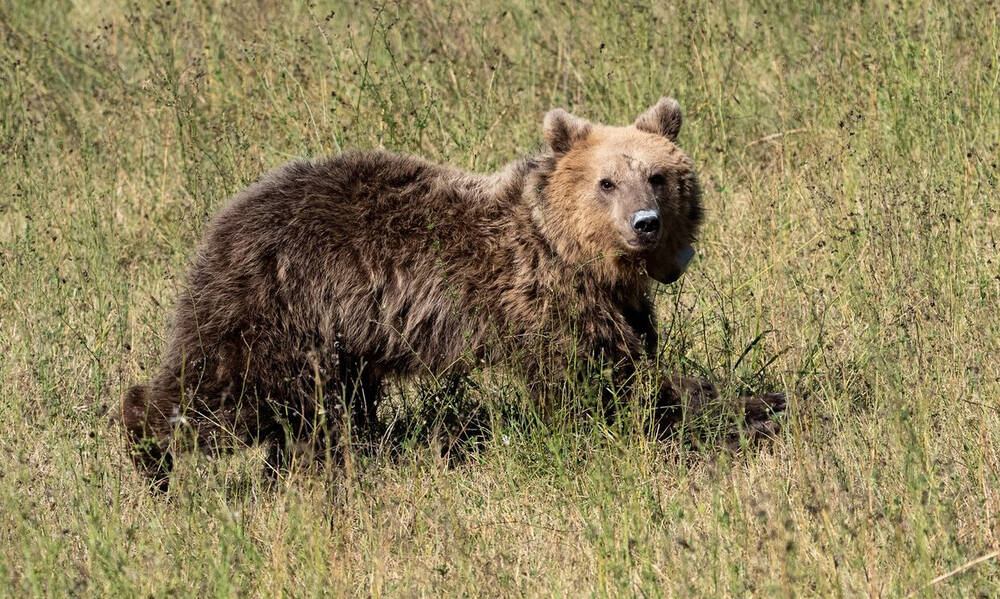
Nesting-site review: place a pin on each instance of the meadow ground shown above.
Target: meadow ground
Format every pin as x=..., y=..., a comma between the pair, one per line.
x=849, y=158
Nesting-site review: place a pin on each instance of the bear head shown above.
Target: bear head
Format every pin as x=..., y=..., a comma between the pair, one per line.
x=626, y=197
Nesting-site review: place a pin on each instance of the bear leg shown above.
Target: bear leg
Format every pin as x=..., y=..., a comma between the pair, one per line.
x=758, y=411
x=363, y=396
x=147, y=448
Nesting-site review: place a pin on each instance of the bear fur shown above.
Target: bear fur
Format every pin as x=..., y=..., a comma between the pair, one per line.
x=317, y=284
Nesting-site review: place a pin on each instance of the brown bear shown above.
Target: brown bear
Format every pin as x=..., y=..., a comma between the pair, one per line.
x=315, y=285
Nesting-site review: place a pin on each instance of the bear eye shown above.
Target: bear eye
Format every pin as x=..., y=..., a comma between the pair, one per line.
x=607, y=185
x=657, y=180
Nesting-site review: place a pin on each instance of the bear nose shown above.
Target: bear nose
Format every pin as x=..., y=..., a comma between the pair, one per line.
x=646, y=222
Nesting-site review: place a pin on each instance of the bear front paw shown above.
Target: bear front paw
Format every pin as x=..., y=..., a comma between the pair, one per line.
x=762, y=419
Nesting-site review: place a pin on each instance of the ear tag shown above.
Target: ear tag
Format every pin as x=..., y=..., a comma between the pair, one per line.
x=684, y=257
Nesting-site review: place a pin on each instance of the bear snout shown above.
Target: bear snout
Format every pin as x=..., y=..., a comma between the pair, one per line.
x=646, y=224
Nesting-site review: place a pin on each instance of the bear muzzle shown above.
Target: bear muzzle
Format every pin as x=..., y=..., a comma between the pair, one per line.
x=646, y=226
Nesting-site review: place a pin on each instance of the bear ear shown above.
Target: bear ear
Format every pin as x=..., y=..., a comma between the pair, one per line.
x=562, y=130
x=663, y=119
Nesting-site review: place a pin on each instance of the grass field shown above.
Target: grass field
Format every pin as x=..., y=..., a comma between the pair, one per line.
x=849, y=158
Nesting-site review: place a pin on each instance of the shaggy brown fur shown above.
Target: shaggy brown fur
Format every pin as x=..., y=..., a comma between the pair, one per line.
x=327, y=277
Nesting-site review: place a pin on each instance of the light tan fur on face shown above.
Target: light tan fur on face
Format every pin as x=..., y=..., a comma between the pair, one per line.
x=599, y=221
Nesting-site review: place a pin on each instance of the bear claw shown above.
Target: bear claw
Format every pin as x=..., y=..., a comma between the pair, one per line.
x=760, y=423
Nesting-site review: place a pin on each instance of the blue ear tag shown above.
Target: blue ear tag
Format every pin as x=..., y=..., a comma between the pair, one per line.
x=684, y=257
